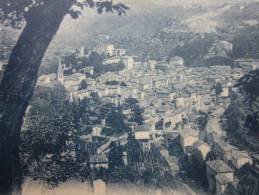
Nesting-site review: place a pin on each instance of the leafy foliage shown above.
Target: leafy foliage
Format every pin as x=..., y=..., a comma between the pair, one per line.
x=202, y=121
x=241, y=119
x=248, y=181
x=115, y=119
x=233, y=116
x=83, y=85
x=198, y=168
x=54, y=153
x=15, y=13
x=95, y=59
x=249, y=85
x=115, y=156
x=49, y=148
x=132, y=103
x=218, y=89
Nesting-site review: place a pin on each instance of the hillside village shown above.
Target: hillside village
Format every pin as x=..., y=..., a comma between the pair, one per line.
x=162, y=101
x=179, y=105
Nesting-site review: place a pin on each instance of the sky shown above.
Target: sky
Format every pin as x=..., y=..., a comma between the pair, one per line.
x=152, y=3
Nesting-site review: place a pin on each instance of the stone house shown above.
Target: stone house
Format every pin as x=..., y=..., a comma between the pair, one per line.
x=187, y=140
x=99, y=161
x=223, y=150
x=240, y=158
x=219, y=174
x=143, y=134
x=222, y=182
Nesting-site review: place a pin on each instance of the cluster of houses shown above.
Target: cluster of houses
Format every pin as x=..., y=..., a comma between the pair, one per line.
x=170, y=96
x=116, y=55
x=223, y=167
x=73, y=80
x=178, y=87
x=167, y=97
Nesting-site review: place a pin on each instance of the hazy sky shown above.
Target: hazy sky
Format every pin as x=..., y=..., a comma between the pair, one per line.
x=150, y=3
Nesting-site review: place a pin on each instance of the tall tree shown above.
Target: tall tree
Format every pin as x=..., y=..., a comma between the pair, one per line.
x=41, y=20
x=218, y=89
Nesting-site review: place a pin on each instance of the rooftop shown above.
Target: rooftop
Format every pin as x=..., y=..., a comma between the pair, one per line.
x=142, y=128
x=225, y=146
x=98, y=159
x=74, y=77
x=219, y=166
x=237, y=154
x=223, y=179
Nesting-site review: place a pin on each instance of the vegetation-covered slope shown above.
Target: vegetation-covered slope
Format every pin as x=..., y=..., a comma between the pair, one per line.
x=241, y=119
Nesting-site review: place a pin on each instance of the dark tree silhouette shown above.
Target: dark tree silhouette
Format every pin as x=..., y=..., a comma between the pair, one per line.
x=83, y=85
x=218, y=89
x=202, y=121
x=249, y=85
x=115, y=156
x=41, y=20
x=49, y=149
x=115, y=119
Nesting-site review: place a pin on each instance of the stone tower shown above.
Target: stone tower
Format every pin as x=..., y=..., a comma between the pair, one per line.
x=60, y=71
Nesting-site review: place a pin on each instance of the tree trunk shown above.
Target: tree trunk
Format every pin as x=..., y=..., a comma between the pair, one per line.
x=18, y=83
